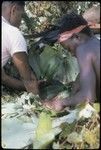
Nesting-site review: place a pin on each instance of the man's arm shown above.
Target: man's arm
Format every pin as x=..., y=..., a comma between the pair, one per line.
x=20, y=60
x=87, y=80
x=76, y=85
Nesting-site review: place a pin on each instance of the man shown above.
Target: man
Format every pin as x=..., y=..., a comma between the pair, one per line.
x=92, y=16
x=76, y=36
x=14, y=45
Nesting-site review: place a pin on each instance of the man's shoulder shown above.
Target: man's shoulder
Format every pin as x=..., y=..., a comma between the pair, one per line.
x=85, y=47
x=83, y=51
x=8, y=27
x=81, y=48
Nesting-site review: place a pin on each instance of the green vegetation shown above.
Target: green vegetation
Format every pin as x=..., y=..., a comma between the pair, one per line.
x=77, y=128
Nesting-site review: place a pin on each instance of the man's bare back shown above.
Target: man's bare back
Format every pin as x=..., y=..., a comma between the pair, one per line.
x=92, y=51
x=95, y=43
x=91, y=48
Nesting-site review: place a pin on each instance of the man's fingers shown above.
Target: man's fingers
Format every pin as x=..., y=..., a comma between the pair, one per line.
x=47, y=104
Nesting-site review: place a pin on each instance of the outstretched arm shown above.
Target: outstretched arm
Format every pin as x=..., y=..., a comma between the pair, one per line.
x=76, y=85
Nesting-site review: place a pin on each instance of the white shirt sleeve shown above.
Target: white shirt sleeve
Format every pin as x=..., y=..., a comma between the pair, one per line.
x=17, y=42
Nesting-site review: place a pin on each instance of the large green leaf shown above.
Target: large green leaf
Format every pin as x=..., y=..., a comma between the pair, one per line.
x=34, y=61
x=45, y=141
x=48, y=62
x=44, y=126
x=44, y=132
x=52, y=63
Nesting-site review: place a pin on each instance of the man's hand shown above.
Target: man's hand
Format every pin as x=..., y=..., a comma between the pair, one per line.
x=31, y=86
x=55, y=104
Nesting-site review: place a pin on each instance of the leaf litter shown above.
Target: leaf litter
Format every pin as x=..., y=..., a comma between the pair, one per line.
x=25, y=123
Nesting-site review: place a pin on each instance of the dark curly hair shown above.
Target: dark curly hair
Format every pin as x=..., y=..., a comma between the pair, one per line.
x=66, y=23
x=71, y=21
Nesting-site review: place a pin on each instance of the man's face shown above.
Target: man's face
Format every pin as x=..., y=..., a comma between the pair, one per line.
x=16, y=15
x=70, y=44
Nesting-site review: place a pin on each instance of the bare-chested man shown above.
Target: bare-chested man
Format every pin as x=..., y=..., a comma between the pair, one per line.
x=77, y=37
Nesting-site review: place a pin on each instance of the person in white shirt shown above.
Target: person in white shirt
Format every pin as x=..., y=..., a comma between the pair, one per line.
x=14, y=46
x=92, y=15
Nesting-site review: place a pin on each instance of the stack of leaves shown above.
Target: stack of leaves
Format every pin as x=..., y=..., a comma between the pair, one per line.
x=76, y=128
x=83, y=132
x=56, y=66
x=44, y=132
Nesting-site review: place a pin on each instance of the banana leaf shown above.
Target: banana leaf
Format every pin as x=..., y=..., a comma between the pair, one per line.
x=52, y=64
x=44, y=132
x=34, y=61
